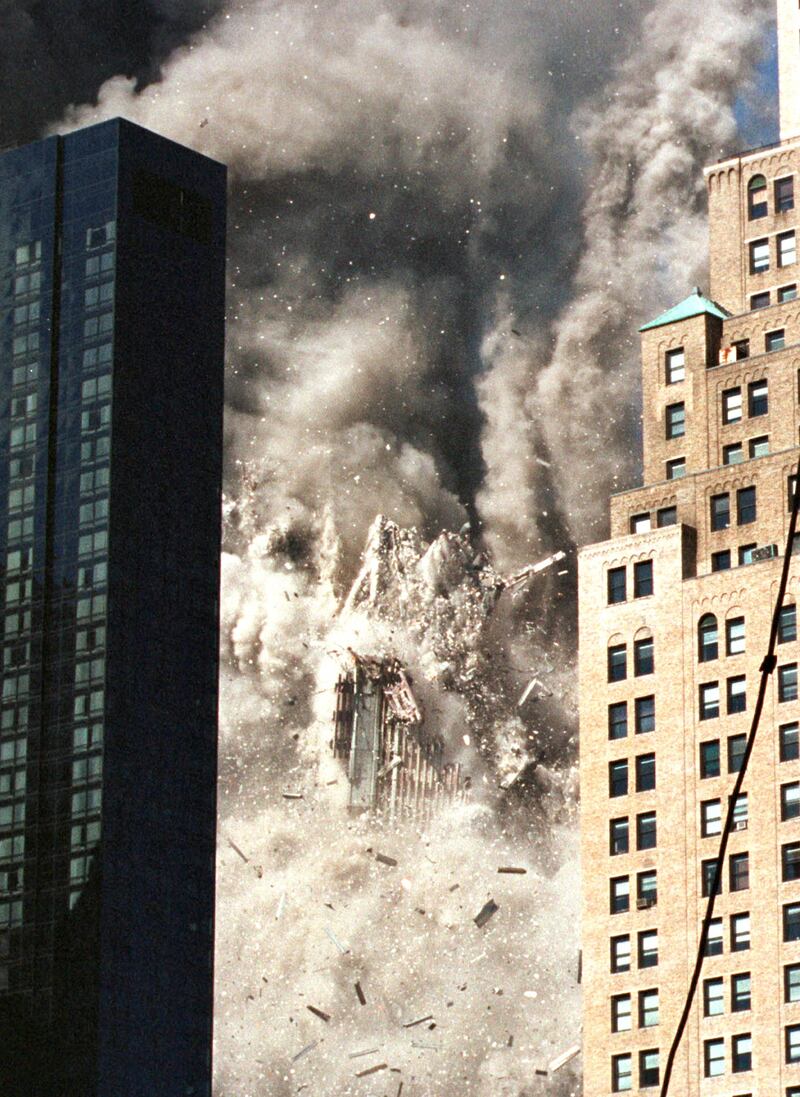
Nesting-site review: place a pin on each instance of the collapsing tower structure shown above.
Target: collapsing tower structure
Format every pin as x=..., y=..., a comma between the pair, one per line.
x=395, y=766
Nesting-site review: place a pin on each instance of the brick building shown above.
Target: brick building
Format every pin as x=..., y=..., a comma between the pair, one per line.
x=675, y=612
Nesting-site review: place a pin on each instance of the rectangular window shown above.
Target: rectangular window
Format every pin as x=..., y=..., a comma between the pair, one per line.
x=621, y=1073
x=759, y=256
x=621, y=1020
x=790, y=861
x=713, y=997
x=646, y=830
x=721, y=561
x=648, y=1008
x=640, y=523
x=649, y=1072
x=666, y=516
x=746, y=553
x=720, y=511
x=646, y=889
x=737, y=744
x=709, y=759
x=759, y=447
x=732, y=405
x=739, y=871
x=676, y=420
x=791, y=922
x=784, y=194
x=710, y=818
x=676, y=469
x=787, y=293
x=787, y=682
x=787, y=249
x=790, y=743
x=740, y=932
x=742, y=348
x=790, y=801
x=618, y=778
x=643, y=658
x=791, y=983
x=787, y=623
x=746, y=505
x=714, y=938
x=733, y=454
x=740, y=812
x=645, y=710
x=742, y=1049
x=620, y=954
x=793, y=1043
x=616, y=585
x=618, y=836
x=734, y=635
x=648, y=948
x=740, y=992
x=737, y=694
x=709, y=700
x=620, y=894
x=759, y=300
x=775, y=340
x=757, y=398
x=714, y=1057
x=676, y=365
x=645, y=772
x=708, y=872
x=790, y=483
x=618, y=720
x=617, y=663
x=643, y=579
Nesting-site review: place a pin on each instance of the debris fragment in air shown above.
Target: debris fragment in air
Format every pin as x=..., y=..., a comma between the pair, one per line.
x=384, y=860
x=304, y=1051
x=485, y=913
x=292, y=795
x=360, y=994
x=419, y=1021
x=564, y=1058
x=338, y=943
x=323, y=1016
x=511, y=871
x=371, y=1070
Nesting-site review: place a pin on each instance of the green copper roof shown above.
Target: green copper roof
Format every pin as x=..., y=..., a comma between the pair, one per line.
x=694, y=305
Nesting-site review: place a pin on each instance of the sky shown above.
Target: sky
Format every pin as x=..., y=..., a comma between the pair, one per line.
x=447, y=220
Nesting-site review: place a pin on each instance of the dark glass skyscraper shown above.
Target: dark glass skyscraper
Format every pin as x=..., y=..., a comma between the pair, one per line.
x=112, y=290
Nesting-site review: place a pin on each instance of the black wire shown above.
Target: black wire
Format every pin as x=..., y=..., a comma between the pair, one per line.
x=767, y=667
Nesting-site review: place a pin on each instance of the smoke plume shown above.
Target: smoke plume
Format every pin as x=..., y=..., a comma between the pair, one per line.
x=446, y=223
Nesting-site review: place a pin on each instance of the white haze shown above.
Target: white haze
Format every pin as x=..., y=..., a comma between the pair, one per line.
x=447, y=221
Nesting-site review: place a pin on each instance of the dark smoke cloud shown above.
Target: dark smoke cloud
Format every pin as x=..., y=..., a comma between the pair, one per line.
x=55, y=53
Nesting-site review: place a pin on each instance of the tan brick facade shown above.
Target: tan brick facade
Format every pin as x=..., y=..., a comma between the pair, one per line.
x=691, y=581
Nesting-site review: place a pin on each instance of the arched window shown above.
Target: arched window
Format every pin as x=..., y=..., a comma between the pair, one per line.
x=757, y=197
x=707, y=638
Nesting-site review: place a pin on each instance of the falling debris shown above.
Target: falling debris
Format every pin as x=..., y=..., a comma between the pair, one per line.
x=336, y=942
x=545, y=464
x=513, y=871
x=281, y=905
x=371, y=1070
x=426, y=1047
x=323, y=1016
x=236, y=849
x=565, y=1057
x=525, y=573
x=304, y=1051
x=293, y=795
x=359, y=1054
x=485, y=913
x=419, y=1021
x=360, y=994
x=580, y=966
x=541, y=1073
x=384, y=860
x=541, y=692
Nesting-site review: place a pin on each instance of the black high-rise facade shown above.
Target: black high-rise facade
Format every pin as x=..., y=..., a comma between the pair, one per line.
x=112, y=247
